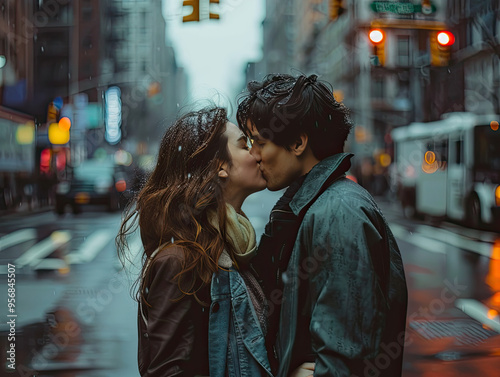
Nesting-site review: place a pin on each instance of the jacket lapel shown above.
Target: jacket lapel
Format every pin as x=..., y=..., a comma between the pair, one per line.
x=247, y=322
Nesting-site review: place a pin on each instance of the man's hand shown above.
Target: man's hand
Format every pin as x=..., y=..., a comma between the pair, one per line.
x=305, y=370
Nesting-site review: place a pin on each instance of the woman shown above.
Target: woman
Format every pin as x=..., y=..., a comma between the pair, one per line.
x=200, y=313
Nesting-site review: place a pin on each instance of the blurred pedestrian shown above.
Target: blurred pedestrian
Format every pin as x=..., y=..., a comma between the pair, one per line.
x=330, y=266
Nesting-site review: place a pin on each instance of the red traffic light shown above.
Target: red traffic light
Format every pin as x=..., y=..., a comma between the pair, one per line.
x=376, y=36
x=445, y=38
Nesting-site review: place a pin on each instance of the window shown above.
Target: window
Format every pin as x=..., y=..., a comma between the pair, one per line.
x=458, y=152
x=403, y=50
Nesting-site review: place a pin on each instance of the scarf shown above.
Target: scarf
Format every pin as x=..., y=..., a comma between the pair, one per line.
x=241, y=234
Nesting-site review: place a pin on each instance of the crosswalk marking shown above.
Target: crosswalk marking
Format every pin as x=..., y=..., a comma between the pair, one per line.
x=43, y=248
x=91, y=247
x=17, y=237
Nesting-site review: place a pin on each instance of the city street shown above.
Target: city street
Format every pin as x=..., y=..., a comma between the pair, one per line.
x=76, y=316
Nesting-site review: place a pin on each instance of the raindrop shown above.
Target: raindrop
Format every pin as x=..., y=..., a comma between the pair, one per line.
x=316, y=325
x=90, y=77
x=189, y=175
x=330, y=116
x=177, y=105
x=180, y=148
x=172, y=240
x=42, y=49
x=285, y=277
x=316, y=123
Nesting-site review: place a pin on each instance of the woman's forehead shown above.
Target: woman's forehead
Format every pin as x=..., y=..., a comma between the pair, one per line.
x=233, y=132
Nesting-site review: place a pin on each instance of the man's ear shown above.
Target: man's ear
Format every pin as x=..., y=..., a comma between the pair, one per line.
x=300, y=145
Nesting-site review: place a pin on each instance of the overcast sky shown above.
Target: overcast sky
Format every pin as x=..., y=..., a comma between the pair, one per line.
x=215, y=52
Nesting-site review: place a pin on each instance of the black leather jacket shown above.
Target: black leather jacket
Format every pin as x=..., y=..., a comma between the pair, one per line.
x=174, y=342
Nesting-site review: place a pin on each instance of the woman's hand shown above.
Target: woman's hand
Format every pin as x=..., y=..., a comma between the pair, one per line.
x=305, y=370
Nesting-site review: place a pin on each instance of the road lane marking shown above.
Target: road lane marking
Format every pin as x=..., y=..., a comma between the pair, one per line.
x=91, y=247
x=17, y=237
x=479, y=312
x=43, y=248
x=457, y=240
x=436, y=240
x=418, y=240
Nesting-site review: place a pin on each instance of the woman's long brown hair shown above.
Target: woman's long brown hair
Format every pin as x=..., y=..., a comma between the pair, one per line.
x=172, y=207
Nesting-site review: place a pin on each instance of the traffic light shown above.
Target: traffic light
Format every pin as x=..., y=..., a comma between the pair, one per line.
x=336, y=8
x=440, y=46
x=214, y=16
x=45, y=160
x=195, y=15
x=426, y=7
x=58, y=135
x=377, y=38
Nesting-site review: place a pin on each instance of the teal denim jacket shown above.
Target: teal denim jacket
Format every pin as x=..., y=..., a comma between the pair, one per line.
x=236, y=342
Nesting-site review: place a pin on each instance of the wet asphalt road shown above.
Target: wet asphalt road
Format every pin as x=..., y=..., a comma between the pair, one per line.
x=75, y=315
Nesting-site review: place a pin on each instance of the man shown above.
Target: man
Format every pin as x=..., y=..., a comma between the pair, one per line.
x=328, y=261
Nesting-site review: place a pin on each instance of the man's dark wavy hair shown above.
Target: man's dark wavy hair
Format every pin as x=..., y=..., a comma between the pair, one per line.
x=282, y=107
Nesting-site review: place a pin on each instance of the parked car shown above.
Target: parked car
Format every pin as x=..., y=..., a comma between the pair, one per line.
x=93, y=182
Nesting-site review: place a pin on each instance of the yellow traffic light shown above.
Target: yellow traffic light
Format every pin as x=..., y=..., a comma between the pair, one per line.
x=440, y=47
x=377, y=38
x=195, y=14
x=336, y=9
x=214, y=16
x=57, y=135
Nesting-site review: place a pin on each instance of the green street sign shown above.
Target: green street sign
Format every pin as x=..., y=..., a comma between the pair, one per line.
x=401, y=8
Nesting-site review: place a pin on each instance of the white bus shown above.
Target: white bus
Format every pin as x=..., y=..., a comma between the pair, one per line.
x=450, y=168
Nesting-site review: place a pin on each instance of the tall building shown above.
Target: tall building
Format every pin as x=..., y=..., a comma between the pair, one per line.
x=477, y=54
x=60, y=58
x=17, y=126
x=139, y=61
x=408, y=75
x=279, y=40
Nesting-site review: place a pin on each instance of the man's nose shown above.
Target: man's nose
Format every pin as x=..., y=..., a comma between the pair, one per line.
x=255, y=152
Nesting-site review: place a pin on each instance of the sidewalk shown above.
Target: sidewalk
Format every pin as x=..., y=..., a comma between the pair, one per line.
x=24, y=210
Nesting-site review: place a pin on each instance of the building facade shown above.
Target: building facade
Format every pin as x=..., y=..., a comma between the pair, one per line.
x=59, y=59
x=405, y=78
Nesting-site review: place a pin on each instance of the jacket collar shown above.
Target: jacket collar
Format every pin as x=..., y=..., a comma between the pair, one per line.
x=317, y=177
